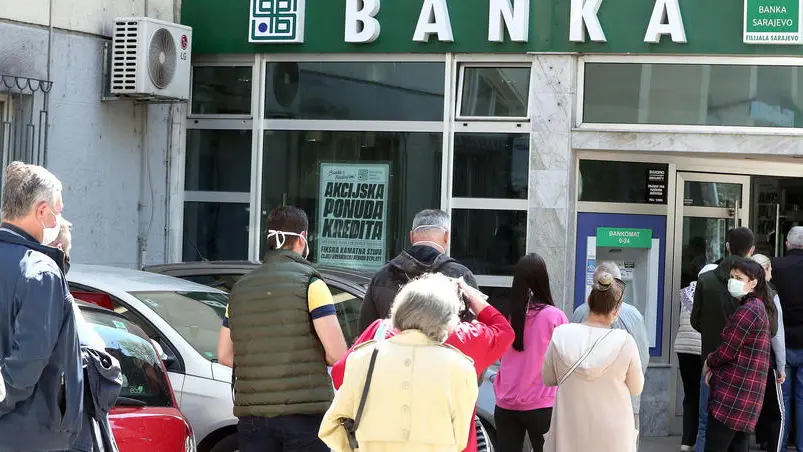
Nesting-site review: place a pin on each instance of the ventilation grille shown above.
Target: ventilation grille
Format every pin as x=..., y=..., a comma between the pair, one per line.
x=124, y=57
x=162, y=57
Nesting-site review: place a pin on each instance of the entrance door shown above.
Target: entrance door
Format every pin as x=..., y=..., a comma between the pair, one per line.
x=707, y=206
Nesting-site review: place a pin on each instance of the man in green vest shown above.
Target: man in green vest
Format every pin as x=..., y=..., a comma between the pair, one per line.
x=281, y=329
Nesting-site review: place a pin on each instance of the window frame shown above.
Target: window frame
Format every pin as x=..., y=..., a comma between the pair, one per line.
x=461, y=78
x=701, y=60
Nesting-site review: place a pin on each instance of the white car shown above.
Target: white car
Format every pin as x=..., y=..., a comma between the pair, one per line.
x=184, y=318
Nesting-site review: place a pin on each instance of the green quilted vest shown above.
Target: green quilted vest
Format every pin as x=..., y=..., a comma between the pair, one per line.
x=280, y=363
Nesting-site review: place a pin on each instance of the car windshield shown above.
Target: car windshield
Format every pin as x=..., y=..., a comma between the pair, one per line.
x=196, y=316
x=144, y=380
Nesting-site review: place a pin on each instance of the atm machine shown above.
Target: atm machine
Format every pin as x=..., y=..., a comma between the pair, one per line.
x=636, y=243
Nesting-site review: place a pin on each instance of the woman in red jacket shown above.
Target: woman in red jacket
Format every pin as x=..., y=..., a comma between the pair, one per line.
x=484, y=340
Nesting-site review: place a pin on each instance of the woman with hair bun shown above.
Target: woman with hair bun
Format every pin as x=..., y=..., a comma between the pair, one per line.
x=596, y=369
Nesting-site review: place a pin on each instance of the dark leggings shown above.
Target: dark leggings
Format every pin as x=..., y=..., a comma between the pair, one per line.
x=511, y=426
x=720, y=438
x=691, y=367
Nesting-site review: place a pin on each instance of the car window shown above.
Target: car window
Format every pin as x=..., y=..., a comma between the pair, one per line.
x=143, y=377
x=223, y=282
x=196, y=316
x=348, y=313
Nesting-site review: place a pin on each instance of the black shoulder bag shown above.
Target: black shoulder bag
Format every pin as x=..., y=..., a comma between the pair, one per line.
x=351, y=425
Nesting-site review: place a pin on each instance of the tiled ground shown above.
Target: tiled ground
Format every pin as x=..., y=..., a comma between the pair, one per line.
x=665, y=444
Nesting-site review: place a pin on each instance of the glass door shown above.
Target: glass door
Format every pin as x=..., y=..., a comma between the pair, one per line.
x=707, y=206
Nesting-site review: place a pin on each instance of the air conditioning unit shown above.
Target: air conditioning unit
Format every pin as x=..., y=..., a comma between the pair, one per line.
x=150, y=59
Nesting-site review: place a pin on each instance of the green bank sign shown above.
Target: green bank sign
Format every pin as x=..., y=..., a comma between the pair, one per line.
x=624, y=238
x=772, y=22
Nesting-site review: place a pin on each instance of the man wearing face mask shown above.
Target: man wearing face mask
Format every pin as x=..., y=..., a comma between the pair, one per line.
x=40, y=360
x=430, y=238
x=280, y=333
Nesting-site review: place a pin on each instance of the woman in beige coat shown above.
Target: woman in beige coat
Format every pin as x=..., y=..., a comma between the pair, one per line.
x=596, y=369
x=422, y=393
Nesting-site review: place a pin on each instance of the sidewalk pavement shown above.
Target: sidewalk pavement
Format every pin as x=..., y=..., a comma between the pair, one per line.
x=662, y=444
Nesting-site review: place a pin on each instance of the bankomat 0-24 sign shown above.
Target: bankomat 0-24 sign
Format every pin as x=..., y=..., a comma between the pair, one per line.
x=624, y=238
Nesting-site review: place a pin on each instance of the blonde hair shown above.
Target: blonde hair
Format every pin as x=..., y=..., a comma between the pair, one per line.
x=606, y=293
x=762, y=260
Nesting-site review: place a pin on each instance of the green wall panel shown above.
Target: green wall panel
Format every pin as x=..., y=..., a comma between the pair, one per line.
x=712, y=27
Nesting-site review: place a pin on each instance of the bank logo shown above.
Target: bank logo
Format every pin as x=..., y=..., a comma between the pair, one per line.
x=277, y=21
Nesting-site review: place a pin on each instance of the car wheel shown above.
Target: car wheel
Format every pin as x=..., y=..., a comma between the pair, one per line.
x=227, y=444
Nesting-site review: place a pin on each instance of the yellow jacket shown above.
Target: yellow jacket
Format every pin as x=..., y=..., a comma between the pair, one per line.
x=421, y=398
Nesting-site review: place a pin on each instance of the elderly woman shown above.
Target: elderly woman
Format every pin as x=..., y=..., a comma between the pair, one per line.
x=422, y=393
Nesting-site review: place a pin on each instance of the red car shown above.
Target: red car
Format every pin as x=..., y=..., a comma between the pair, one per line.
x=146, y=416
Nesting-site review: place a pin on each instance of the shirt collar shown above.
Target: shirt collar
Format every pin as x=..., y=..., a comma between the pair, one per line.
x=412, y=337
x=18, y=231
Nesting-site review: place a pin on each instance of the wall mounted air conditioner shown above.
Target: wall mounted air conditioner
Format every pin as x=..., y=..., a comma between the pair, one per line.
x=150, y=59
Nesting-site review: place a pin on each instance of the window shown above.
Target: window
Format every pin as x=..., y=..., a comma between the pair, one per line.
x=215, y=231
x=489, y=242
x=218, y=160
x=348, y=313
x=624, y=182
x=196, y=316
x=355, y=91
x=491, y=165
x=221, y=90
x=495, y=92
x=144, y=381
x=693, y=94
x=409, y=168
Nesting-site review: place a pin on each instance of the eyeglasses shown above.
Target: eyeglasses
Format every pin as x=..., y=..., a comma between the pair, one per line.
x=623, y=285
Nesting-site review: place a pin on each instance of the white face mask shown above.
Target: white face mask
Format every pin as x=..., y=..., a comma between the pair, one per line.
x=737, y=288
x=49, y=235
x=281, y=237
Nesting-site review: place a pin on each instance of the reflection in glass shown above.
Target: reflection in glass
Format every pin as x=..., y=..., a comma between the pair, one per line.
x=291, y=174
x=703, y=243
x=489, y=242
x=712, y=194
x=143, y=379
x=371, y=91
x=491, y=165
x=348, y=313
x=495, y=92
x=693, y=94
x=215, y=231
x=218, y=160
x=221, y=90
x=626, y=182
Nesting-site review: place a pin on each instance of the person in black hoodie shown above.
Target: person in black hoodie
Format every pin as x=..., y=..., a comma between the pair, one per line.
x=713, y=307
x=429, y=237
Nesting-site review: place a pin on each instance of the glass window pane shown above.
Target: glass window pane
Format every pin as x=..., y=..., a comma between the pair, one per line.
x=495, y=91
x=220, y=90
x=491, y=165
x=355, y=91
x=215, y=231
x=712, y=194
x=627, y=182
x=489, y=242
x=497, y=297
x=292, y=176
x=348, y=313
x=689, y=94
x=703, y=243
x=218, y=160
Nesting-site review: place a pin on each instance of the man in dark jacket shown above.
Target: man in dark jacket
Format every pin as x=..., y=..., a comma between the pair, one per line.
x=429, y=237
x=713, y=306
x=787, y=275
x=40, y=360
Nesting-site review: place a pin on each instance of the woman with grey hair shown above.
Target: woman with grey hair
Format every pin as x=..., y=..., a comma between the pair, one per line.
x=419, y=394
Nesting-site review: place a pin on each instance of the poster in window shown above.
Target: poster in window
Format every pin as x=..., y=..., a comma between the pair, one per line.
x=352, y=215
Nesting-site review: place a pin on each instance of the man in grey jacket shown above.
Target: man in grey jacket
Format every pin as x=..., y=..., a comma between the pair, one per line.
x=40, y=361
x=630, y=320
